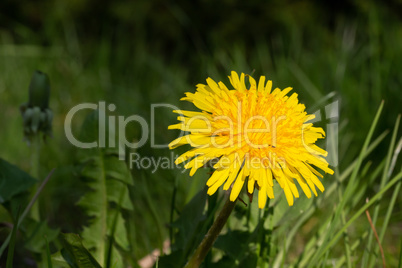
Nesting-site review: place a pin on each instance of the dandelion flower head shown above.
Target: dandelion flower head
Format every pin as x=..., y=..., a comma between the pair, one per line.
x=253, y=136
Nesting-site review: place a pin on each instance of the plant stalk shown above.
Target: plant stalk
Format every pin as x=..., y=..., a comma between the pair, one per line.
x=35, y=156
x=213, y=233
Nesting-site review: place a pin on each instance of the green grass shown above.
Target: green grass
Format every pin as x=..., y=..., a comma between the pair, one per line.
x=356, y=62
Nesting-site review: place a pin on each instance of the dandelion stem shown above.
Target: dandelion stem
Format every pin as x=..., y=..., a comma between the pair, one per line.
x=209, y=239
x=35, y=156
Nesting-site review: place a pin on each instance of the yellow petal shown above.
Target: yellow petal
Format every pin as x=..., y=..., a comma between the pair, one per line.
x=238, y=185
x=261, y=84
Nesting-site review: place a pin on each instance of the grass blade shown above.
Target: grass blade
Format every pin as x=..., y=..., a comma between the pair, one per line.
x=347, y=193
x=383, y=181
x=312, y=245
x=343, y=217
x=353, y=247
x=393, y=199
x=282, y=254
x=358, y=213
x=400, y=256
x=376, y=237
x=10, y=255
x=314, y=92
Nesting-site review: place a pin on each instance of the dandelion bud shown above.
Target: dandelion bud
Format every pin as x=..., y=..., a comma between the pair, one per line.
x=39, y=90
x=37, y=117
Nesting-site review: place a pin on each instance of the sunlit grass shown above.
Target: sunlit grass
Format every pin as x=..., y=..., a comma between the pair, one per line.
x=356, y=64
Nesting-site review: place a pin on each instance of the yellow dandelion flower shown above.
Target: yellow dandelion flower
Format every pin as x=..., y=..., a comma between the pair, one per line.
x=254, y=135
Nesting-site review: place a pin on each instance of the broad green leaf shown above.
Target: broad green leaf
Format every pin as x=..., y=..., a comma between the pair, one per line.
x=239, y=247
x=250, y=261
x=119, y=234
x=224, y=262
x=5, y=215
x=191, y=216
x=13, y=181
x=233, y=243
x=107, y=178
x=59, y=261
x=76, y=254
x=173, y=260
x=188, y=234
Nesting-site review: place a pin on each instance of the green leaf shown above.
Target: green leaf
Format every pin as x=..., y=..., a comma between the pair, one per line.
x=5, y=215
x=36, y=231
x=188, y=234
x=233, y=243
x=237, y=247
x=190, y=218
x=108, y=179
x=76, y=254
x=13, y=181
x=250, y=261
x=115, y=221
x=59, y=261
x=173, y=260
x=224, y=262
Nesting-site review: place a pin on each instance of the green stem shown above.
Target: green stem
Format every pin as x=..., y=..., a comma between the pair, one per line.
x=35, y=156
x=172, y=206
x=213, y=233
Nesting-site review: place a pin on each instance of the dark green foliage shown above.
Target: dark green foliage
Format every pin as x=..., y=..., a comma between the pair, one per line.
x=190, y=218
x=235, y=244
x=188, y=235
x=13, y=181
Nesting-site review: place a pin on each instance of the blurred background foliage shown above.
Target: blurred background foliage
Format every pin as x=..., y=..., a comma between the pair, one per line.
x=138, y=53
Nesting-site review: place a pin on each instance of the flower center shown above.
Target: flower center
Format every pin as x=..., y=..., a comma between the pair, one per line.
x=256, y=123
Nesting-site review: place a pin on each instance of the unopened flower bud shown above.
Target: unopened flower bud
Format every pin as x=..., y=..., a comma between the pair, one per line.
x=37, y=117
x=39, y=90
